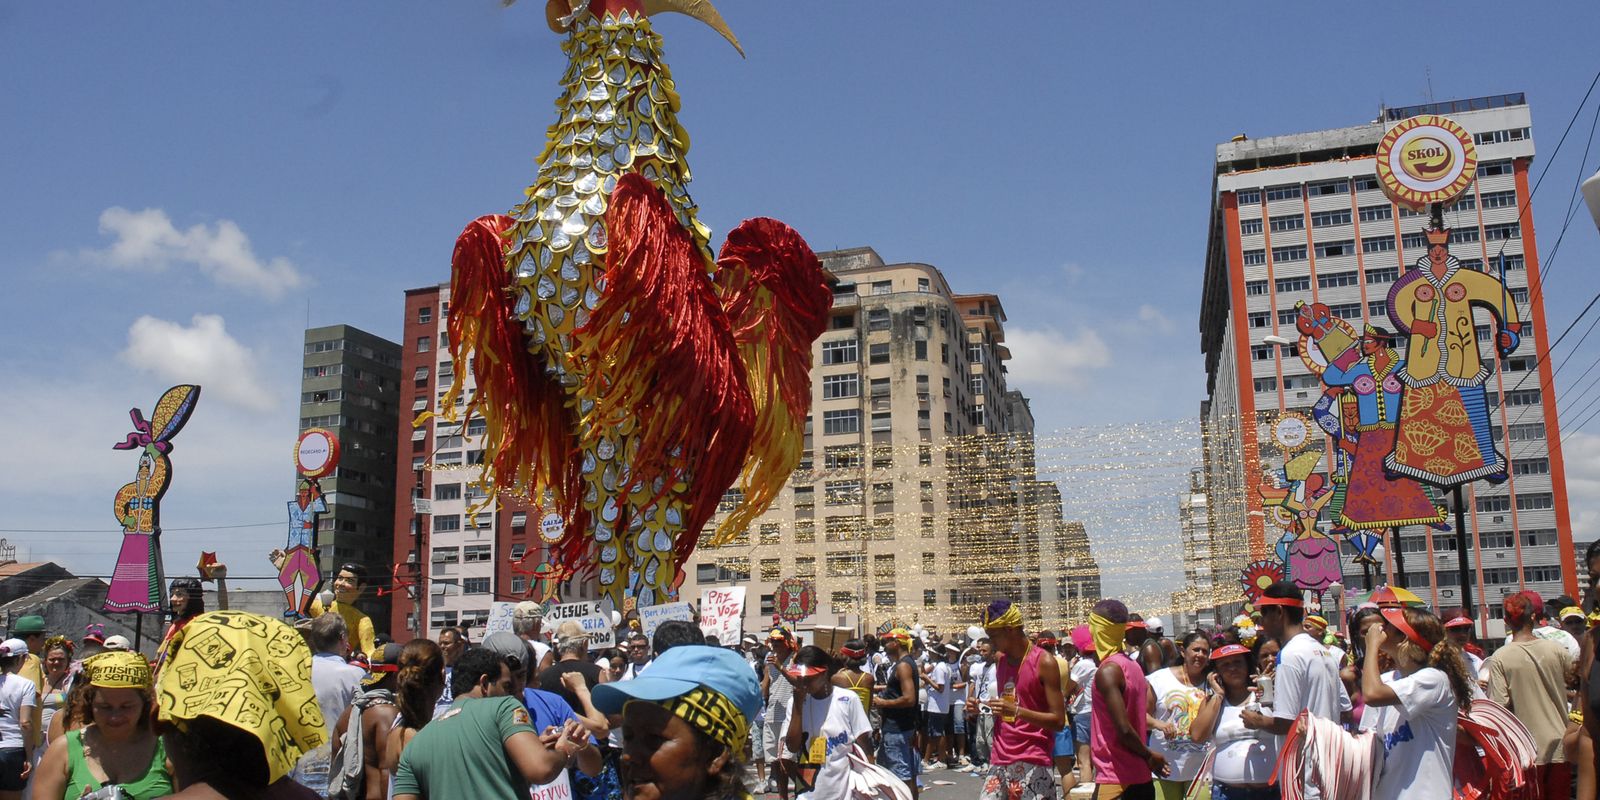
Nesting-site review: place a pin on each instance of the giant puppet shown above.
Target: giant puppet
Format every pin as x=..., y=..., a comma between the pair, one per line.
x=136, y=582
x=627, y=377
x=1443, y=434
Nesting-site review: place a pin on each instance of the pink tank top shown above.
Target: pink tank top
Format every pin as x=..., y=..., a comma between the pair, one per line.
x=1112, y=762
x=1021, y=742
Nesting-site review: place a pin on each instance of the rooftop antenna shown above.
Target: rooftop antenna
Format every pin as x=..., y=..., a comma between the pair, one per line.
x=1429, y=72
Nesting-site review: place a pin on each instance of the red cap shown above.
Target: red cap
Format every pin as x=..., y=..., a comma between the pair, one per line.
x=1229, y=650
x=1397, y=617
x=1135, y=623
x=1458, y=622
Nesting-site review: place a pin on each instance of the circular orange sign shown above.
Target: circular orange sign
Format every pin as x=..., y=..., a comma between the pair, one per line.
x=1426, y=159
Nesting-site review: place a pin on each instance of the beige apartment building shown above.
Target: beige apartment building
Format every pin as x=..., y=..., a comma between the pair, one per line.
x=917, y=499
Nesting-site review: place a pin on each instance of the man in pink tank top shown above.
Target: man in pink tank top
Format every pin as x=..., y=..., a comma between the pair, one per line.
x=1124, y=768
x=1027, y=712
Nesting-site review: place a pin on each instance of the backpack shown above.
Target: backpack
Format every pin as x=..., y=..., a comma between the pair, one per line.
x=347, y=773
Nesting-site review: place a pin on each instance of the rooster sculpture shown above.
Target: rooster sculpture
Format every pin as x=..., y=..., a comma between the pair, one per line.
x=627, y=377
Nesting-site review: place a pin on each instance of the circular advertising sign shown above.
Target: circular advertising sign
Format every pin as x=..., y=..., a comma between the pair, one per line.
x=316, y=453
x=1426, y=159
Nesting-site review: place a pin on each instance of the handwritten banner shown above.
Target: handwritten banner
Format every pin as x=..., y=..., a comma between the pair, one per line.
x=652, y=616
x=722, y=614
x=591, y=616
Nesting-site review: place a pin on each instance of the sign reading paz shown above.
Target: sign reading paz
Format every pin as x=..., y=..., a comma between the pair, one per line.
x=722, y=613
x=591, y=616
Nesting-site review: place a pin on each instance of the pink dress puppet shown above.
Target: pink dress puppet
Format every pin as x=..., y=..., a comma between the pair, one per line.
x=136, y=582
x=298, y=575
x=1311, y=556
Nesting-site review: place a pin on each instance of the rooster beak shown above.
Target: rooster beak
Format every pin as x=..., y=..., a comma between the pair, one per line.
x=560, y=14
x=699, y=9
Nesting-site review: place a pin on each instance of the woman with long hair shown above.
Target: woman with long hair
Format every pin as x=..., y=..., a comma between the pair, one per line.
x=17, y=698
x=419, y=684
x=58, y=678
x=1415, y=707
x=118, y=745
x=1241, y=768
x=1174, y=698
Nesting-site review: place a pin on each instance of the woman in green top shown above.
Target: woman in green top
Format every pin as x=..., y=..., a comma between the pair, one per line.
x=117, y=746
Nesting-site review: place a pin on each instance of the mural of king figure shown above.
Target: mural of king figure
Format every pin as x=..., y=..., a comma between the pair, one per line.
x=1443, y=435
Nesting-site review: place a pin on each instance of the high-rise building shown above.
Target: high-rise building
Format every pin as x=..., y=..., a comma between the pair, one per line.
x=457, y=551
x=1194, y=605
x=916, y=498
x=350, y=384
x=1301, y=218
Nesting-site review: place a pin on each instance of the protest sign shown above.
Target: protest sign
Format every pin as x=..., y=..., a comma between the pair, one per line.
x=722, y=613
x=652, y=616
x=589, y=615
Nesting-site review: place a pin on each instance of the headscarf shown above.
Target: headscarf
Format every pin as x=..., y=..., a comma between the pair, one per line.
x=117, y=669
x=712, y=713
x=1107, y=635
x=1002, y=614
x=248, y=671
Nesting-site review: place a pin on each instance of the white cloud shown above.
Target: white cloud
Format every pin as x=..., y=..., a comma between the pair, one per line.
x=1049, y=359
x=1581, y=454
x=148, y=240
x=202, y=353
x=1154, y=319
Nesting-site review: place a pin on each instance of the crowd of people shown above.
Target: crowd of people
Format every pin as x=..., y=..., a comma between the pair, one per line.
x=238, y=705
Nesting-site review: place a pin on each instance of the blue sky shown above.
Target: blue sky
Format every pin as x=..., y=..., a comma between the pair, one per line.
x=186, y=184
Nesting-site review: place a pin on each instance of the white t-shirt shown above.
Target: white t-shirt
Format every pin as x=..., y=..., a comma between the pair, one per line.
x=980, y=683
x=540, y=650
x=1308, y=680
x=1177, y=703
x=16, y=693
x=1244, y=756
x=830, y=727
x=1419, y=736
x=1083, y=671
x=937, y=699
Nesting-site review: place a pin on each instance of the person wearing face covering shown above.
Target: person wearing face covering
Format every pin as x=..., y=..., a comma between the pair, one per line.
x=1027, y=713
x=685, y=722
x=1123, y=764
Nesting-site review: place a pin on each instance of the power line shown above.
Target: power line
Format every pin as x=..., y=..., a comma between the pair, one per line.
x=163, y=530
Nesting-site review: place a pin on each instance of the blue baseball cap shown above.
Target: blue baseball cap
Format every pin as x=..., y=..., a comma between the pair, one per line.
x=679, y=671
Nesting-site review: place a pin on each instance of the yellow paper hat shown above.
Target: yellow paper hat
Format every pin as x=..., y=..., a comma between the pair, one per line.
x=118, y=669
x=251, y=672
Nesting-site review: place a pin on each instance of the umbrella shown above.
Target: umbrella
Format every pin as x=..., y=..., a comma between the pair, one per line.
x=1394, y=596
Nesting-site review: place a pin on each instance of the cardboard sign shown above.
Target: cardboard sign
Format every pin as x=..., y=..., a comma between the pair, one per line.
x=499, y=618
x=722, y=614
x=590, y=616
x=652, y=616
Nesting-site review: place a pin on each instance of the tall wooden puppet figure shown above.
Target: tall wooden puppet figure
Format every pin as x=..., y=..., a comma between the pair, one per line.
x=136, y=584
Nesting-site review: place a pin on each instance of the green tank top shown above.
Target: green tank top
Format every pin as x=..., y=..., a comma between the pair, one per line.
x=155, y=782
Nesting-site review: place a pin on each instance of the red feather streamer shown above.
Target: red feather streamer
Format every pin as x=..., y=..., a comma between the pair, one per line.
x=777, y=299
x=658, y=350
x=528, y=444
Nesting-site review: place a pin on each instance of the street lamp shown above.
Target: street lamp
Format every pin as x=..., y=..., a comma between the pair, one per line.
x=1591, y=196
x=1281, y=341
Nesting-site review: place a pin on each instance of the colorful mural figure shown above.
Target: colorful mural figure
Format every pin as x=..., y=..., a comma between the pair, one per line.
x=316, y=456
x=1360, y=409
x=136, y=582
x=619, y=365
x=1443, y=435
x=1296, y=506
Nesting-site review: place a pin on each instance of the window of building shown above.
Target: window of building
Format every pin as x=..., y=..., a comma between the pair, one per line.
x=1260, y=319
x=1344, y=247
x=841, y=493
x=805, y=531
x=930, y=598
x=1325, y=188
x=837, y=386
x=442, y=619
x=1249, y=227
x=1378, y=309
x=1290, y=192
x=1349, y=312
x=877, y=319
x=421, y=375
x=1328, y=219
x=424, y=344
x=882, y=456
x=846, y=565
x=1291, y=253
x=805, y=497
x=928, y=563
x=842, y=602
x=842, y=322
x=882, y=421
x=1460, y=235
x=1504, y=199
x=1493, y=503
x=1383, y=274
x=1261, y=352
x=1267, y=384
x=1491, y=168
x=446, y=555
x=1538, y=501
x=447, y=491
x=1542, y=574
x=840, y=351
x=879, y=387
x=883, y=566
x=474, y=585
x=883, y=287
x=771, y=569
x=919, y=350
x=447, y=522
x=841, y=457
x=1255, y=288
x=1540, y=537
x=1377, y=244
x=841, y=421
x=1294, y=284
x=518, y=550
x=805, y=566
x=1287, y=316
x=1288, y=222
x=1525, y=431
x=925, y=526
x=477, y=552
x=1495, y=233
x=878, y=353
x=845, y=528
x=883, y=598
x=1333, y=280
x=1375, y=213
x=1518, y=397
